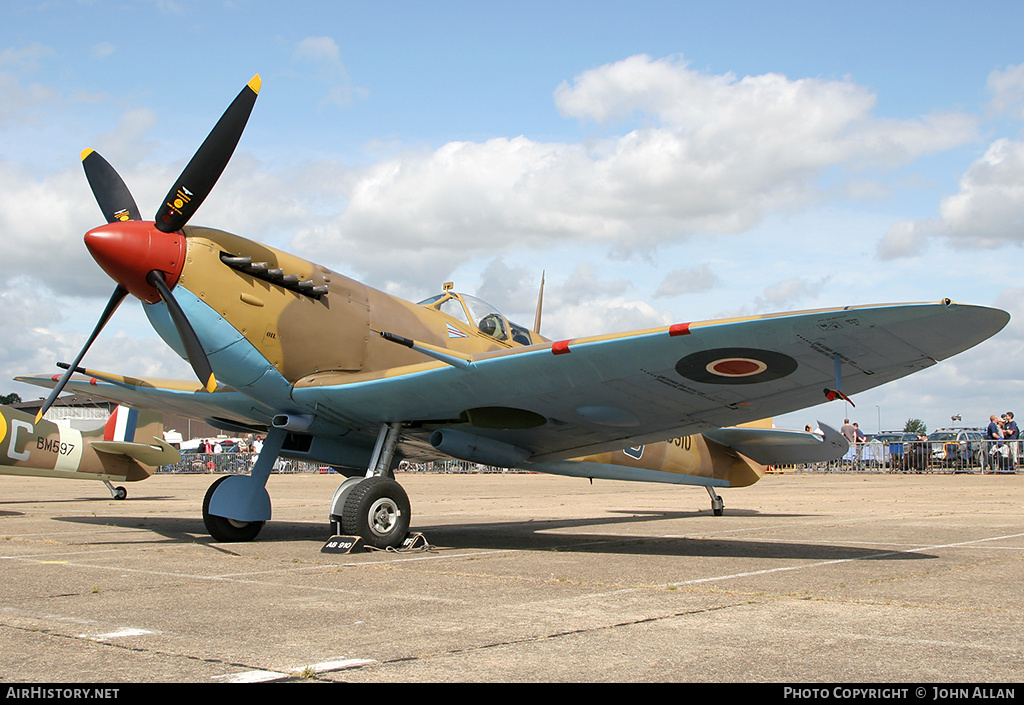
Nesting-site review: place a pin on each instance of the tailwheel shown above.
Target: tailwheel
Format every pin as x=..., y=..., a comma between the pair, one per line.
x=116, y=492
x=228, y=530
x=717, y=505
x=377, y=510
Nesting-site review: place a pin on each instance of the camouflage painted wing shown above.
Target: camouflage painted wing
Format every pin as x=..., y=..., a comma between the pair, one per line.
x=571, y=398
x=587, y=395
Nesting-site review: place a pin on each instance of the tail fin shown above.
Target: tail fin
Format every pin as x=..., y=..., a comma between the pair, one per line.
x=124, y=425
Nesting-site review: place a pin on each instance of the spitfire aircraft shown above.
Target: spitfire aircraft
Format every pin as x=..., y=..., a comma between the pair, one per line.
x=38, y=448
x=337, y=372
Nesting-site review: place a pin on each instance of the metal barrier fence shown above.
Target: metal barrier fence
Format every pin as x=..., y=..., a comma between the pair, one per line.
x=981, y=457
x=903, y=456
x=230, y=463
x=241, y=463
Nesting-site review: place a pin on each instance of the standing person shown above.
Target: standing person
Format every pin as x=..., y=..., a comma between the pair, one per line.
x=850, y=435
x=994, y=436
x=1011, y=433
x=921, y=450
x=860, y=438
x=993, y=432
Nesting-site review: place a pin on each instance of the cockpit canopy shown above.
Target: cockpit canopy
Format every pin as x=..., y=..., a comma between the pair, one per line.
x=478, y=313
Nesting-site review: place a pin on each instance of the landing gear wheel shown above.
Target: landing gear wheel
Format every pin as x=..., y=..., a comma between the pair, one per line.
x=377, y=510
x=228, y=530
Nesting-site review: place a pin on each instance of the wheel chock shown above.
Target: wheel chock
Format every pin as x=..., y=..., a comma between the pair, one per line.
x=342, y=544
x=414, y=540
x=349, y=544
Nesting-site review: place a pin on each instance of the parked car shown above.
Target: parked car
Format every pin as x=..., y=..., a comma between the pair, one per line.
x=957, y=447
x=892, y=447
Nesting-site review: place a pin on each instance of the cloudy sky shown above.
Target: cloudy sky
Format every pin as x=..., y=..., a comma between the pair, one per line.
x=661, y=161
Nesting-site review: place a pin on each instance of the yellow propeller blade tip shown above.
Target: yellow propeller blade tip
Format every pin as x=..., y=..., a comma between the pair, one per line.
x=86, y=153
x=255, y=84
x=211, y=384
x=39, y=415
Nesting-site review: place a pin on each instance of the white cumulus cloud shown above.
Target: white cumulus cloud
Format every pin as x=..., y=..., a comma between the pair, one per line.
x=697, y=153
x=987, y=211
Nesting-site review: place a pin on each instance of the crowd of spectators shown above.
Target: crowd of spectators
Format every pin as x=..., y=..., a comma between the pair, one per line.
x=995, y=448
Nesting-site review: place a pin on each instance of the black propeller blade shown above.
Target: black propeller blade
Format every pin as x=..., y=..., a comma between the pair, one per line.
x=111, y=194
x=193, y=348
x=191, y=189
x=115, y=300
x=199, y=176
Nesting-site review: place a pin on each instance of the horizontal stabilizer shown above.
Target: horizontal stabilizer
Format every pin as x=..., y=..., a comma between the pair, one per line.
x=154, y=454
x=769, y=446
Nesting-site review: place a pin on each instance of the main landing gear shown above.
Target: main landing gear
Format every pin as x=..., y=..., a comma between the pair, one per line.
x=237, y=506
x=228, y=530
x=374, y=507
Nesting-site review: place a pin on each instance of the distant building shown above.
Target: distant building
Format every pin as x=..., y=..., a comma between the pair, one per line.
x=80, y=412
x=85, y=413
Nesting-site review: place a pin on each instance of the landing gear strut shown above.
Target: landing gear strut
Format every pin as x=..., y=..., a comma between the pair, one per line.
x=374, y=507
x=717, y=505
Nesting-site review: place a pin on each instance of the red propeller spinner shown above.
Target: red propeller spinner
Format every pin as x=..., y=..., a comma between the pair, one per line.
x=128, y=251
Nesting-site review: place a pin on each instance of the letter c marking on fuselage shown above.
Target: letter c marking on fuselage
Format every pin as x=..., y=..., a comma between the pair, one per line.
x=16, y=425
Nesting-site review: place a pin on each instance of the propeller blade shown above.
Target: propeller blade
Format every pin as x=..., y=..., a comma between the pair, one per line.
x=193, y=348
x=113, y=197
x=198, y=178
x=115, y=300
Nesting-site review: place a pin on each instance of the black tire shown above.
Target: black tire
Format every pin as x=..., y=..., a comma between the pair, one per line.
x=228, y=530
x=377, y=510
x=120, y=493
